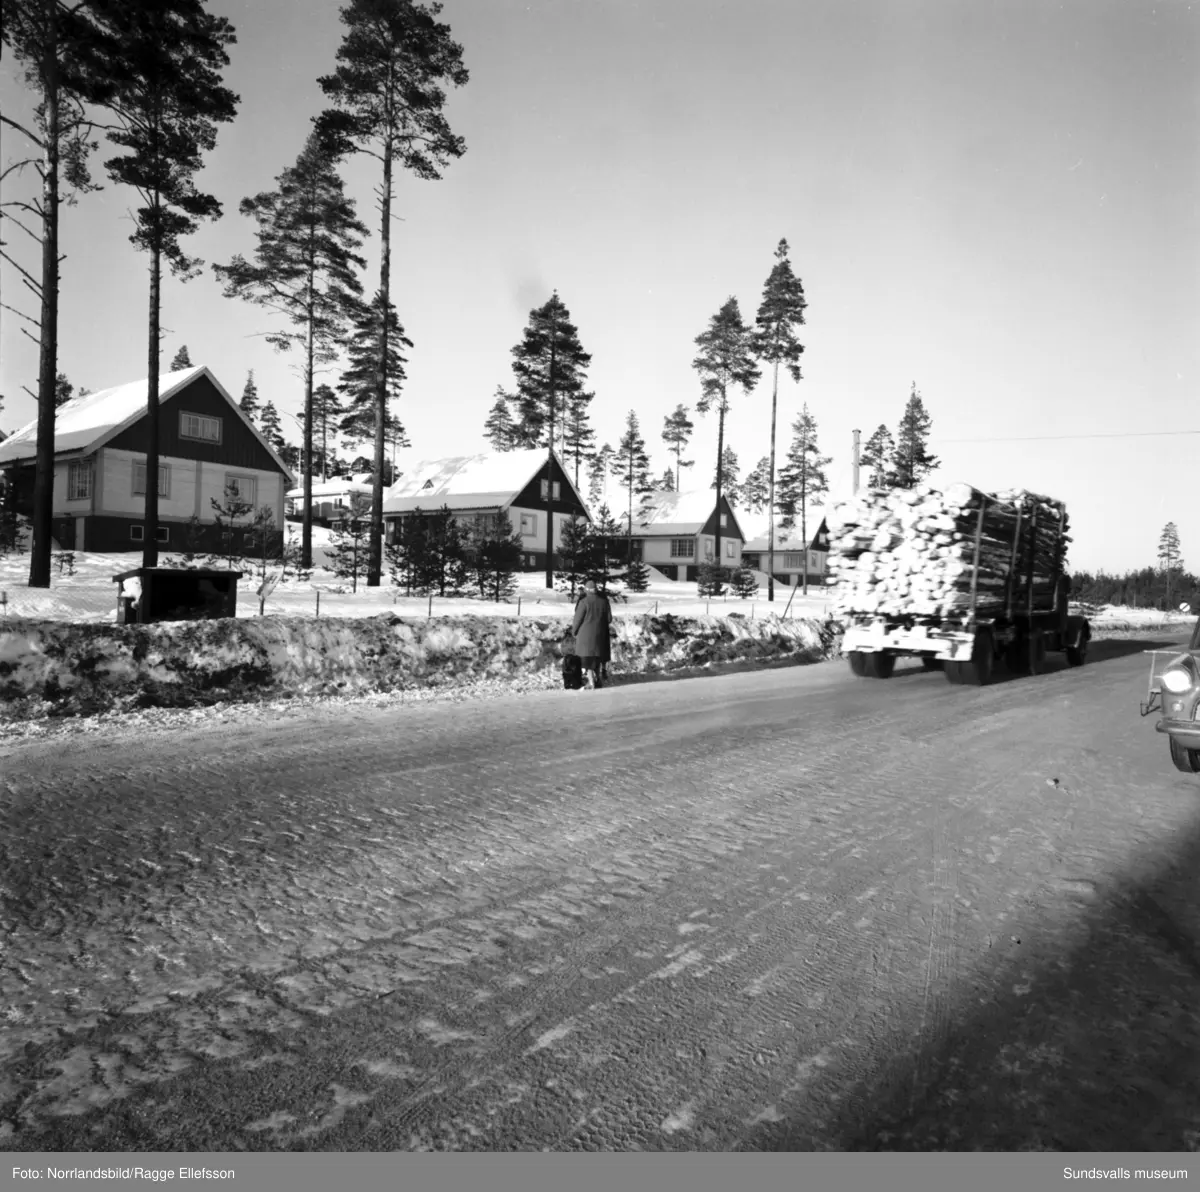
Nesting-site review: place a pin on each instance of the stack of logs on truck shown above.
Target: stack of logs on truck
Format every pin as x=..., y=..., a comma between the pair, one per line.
x=960, y=578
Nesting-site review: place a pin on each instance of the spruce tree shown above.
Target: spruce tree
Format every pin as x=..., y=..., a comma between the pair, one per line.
x=598, y=472
x=495, y=558
x=63, y=391
x=725, y=360
x=779, y=314
x=913, y=460
x=272, y=429
x=803, y=478
x=666, y=482
x=167, y=99
x=579, y=437
x=550, y=366
x=498, y=428
x=357, y=384
x=326, y=409
x=609, y=558
x=249, y=400
x=388, y=92
x=631, y=465
x=348, y=552
x=231, y=515
x=677, y=433
x=303, y=269
x=577, y=555
x=730, y=474
x=878, y=458
x=756, y=488
x=181, y=360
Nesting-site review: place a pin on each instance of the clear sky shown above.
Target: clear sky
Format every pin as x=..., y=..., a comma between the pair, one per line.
x=997, y=200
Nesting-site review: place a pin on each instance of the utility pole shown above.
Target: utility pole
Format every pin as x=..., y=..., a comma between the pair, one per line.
x=856, y=437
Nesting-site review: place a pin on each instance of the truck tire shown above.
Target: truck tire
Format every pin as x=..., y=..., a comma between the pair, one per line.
x=978, y=671
x=858, y=662
x=1187, y=760
x=880, y=665
x=1077, y=655
x=930, y=664
x=953, y=671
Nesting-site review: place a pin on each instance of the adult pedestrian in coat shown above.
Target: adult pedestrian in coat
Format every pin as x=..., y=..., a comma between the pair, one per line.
x=593, y=621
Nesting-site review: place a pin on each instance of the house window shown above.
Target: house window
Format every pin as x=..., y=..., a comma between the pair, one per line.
x=724, y=520
x=729, y=545
x=427, y=484
x=246, y=487
x=139, y=479
x=199, y=426
x=138, y=534
x=338, y=503
x=528, y=523
x=79, y=480
x=793, y=561
x=683, y=548
x=557, y=490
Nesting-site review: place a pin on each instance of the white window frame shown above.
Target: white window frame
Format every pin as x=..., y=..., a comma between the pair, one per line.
x=729, y=548
x=79, y=480
x=724, y=521
x=241, y=479
x=164, y=479
x=683, y=548
x=137, y=533
x=792, y=560
x=557, y=490
x=200, y=429
x=529, y=523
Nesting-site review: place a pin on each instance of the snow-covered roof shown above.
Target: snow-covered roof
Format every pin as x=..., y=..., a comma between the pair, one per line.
x=86, y=423
x=335, y=486
x=755, y=526
x=489, y=480
x=678, y=513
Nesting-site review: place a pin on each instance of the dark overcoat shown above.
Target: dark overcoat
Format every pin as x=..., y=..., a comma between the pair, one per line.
x=593, y=619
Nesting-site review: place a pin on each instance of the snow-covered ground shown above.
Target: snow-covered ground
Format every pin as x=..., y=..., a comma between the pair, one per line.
x=91, y=595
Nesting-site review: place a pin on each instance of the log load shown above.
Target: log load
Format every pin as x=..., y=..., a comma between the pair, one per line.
x=912, y=552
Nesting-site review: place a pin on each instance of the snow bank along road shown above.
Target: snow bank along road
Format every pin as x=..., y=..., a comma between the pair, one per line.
x=788, y=909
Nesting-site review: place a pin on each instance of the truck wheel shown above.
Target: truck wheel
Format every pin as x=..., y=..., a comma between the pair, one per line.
x=953, y=671
x=978, y=671
x=880, y=665
x=1187, y=760
x=858, y=662
x=1077, y=655
x=930, y=664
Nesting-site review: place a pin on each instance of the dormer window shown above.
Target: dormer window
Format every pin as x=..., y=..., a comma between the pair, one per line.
x=427, y=485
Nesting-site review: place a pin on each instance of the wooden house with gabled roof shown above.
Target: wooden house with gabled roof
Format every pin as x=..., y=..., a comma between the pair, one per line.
x=205, y=443
x=478, y=488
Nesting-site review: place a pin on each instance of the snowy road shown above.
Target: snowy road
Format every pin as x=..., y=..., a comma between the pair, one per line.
x=786, y=909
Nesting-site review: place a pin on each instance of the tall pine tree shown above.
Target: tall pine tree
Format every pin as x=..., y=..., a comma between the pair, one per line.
x=168, y=100
x=249, y=398
x=756, y=487
x=579, y=438
x=304, y=270
x=550, y=366
x=67, y=60
x=725, y=361
x=729, y=477
x=803, y=478
x=779, y=314
x=388, y=92
x=913, y=459
x=326, y=410
x=677, y=433
x=598, y=471
x=271, y=426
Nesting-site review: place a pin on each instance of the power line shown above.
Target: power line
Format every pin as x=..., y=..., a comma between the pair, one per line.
x=1133, y=434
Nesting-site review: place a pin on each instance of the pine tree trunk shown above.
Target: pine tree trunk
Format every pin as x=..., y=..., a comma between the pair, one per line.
x=150, y=520
x=375, y=542
x=43, y=475
x=306, y=462
x=771, y=493
x=720, y=470
x=550, y=457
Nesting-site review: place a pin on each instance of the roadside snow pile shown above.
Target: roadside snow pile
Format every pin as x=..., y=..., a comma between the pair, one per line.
x=60, y=669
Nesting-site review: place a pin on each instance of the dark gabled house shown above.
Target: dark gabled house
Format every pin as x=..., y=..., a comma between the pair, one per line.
x=205, y=443
x=677, y=532
x=477, y=488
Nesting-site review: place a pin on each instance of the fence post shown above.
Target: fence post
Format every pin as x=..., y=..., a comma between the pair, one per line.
x=518, y=606
x=429, y=613
x=656, y=608
x=318, y=602
x=4, y=602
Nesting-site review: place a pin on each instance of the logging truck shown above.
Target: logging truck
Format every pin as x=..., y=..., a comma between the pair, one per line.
x=1007, y=602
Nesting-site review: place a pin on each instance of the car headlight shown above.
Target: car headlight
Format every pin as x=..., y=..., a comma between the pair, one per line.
x=1176, y=679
